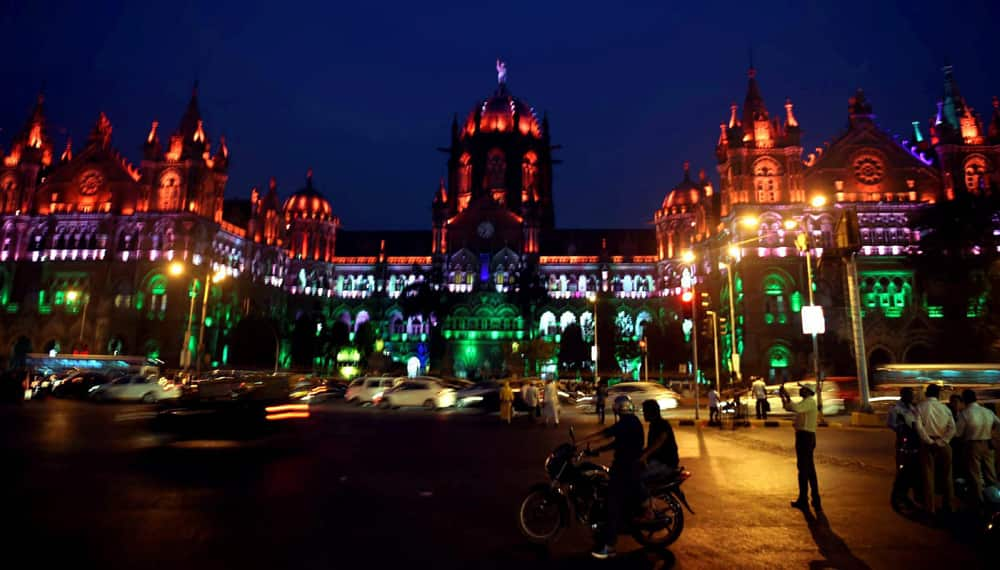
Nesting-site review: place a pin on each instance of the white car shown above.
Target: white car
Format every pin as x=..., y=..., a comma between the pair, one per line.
x=364, y=390
x=135, y=387
x=666, y=398
x=418, y=392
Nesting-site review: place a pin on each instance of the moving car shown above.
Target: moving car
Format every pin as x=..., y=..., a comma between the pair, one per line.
x=833, y=403
x=365, y=390
x=413, y=392
x=485, y=396
x=134, y=387
x=79, y=385
x=330, y=389
x=666, y=398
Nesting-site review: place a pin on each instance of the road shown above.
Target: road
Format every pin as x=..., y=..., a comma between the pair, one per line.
x=365, y=488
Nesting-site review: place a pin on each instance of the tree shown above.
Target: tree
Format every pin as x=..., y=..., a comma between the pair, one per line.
x=304, y=342
x=420, y=299
x=364, y=339
x=252, y=343
x=574, y=353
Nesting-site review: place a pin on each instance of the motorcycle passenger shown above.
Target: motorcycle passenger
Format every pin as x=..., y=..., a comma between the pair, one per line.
x=624, y=485
x=660, y=455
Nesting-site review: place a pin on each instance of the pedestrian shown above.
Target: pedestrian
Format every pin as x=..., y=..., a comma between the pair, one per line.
x=759, y=390
x=660, y=456
x=903, y=421
x=975, y=427
x=936, y=427
x=506, y=402
x=713, y=407
x=624, y=477
x=601, y=399
x=530, y=396
x=805, y=444
x=551, y=412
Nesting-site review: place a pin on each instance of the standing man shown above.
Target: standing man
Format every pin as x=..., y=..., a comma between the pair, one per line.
x=506, y=402
x=975, y=426
x=601, y=399
x=903, y=421
x=936, y=427
x=713, y=407
x=759, y=390
x=805, y=444
x=530, y=397
x=552, y=403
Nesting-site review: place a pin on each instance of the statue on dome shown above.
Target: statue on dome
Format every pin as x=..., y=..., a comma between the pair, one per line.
x=501, y=72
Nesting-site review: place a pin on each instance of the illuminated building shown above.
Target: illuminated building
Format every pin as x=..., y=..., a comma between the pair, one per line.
x=86, y=221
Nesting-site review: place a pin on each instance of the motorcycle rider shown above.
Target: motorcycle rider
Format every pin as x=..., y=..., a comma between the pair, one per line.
x=624, y=485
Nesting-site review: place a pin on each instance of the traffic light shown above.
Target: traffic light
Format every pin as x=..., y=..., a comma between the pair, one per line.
x=687, y=296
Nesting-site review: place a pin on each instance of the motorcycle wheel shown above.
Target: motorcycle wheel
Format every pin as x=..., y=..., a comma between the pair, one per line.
x=543, y=515
x=668, y=526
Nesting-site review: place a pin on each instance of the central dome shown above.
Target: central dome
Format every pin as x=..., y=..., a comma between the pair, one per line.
x=501, y=112
x=308, y=203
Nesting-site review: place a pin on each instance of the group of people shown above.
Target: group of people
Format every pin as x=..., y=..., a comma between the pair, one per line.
x=635, y=461
x=933, y=441
x=542, y=404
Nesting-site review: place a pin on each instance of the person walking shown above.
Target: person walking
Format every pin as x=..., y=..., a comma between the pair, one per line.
x=759, y=390
x=936, y=428
x=551, y=411
x=903, y=421
x=530, y=396
x=601, y=399
x=975, y=427
x=713, y=407
x=805, y=444
x=506, y=402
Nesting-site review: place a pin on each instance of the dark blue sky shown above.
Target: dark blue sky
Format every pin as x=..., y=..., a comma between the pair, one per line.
x=364, y=92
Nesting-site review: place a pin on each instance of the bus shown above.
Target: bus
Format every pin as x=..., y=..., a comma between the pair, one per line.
x=983, y=378
x=110, y=365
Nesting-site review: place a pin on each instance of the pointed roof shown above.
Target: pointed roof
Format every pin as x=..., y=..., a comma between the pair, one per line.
x=753, y=103
x=994, y=129
x=953, y=104
x=191, y=119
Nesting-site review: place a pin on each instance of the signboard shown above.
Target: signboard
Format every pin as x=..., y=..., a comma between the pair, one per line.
x=812, y=320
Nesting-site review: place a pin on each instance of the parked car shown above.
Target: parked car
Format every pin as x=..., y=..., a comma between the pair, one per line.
x=413, y=392
x=135, y=387
x=79, y=385
x=365, y=390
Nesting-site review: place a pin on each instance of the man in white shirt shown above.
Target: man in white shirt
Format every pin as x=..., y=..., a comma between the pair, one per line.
x=759, y=391
x=975, y=426
x=805, y=444
x=713, y=407
x=530, y=396
x=936, y=427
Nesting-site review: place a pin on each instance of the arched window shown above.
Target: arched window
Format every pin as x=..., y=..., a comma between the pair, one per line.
x=547, y=324
x=566, y=320
x=775, y=289
x=157, y=291
x=529, y=177
x=169, y=191
x=766, y=175
x=496, y=169
x=975, y=170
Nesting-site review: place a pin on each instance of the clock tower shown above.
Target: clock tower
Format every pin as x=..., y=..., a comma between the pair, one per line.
x=499, y=188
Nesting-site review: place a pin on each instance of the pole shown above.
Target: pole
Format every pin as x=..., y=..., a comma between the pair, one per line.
x=83, y=317
x=815, y=343
x=857, y=328
x=715, y=337
x=186, y=349
x=597, y=347
x=645, y=361
x=734, y=355
x=204, y=315
x=694, y=340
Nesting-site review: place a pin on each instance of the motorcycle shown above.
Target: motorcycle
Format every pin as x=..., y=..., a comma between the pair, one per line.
x=579, y=489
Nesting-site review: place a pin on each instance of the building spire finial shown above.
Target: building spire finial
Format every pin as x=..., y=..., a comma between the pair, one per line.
x=501, y=72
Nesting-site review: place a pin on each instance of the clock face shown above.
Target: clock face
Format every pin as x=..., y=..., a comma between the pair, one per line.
x=485, y=230
x=91, y=182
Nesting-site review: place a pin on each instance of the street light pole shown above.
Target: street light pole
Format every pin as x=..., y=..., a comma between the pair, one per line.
x=83, y=318
x=204, y=314
x=734, y=358
x=815, y=342
x=715, y=337
x=597, y=349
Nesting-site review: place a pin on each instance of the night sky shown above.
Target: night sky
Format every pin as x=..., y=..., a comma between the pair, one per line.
x=364, y=92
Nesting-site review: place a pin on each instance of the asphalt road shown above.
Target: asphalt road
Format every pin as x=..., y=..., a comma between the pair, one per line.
x=361, y=488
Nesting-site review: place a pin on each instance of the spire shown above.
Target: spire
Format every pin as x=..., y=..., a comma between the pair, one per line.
x=191, y=121
x=309, y=179
x=687, y=171
x=790, y=120
x=67, y=154
x=953, y=103
x=753, y=104
x=152, y=137
x=733, y=121
x=918, y=136
x=723, y=138
x=33, y=135
x=501, y=73
x=101, y=134
x=442, y=193
x=994, y=129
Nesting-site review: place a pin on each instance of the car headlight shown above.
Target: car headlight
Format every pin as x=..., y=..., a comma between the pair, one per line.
x=667, y=403
x=470, y=400
x=94, y=389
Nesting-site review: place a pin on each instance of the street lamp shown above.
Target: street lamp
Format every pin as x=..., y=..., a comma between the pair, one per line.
x=597, y=351
x=177, y=269
x=72, y=297
x=209, y=279
x=734, y=358
x=644, y=347
x=715, y=337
